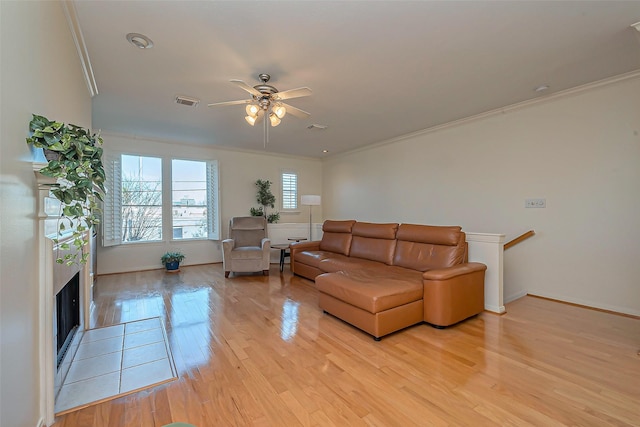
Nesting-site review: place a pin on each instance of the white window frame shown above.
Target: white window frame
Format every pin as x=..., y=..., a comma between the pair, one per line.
x=282, y=190
x=112, y=207
x=213, y=213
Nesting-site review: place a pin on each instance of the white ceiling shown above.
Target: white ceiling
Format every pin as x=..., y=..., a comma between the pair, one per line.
x=378, y=70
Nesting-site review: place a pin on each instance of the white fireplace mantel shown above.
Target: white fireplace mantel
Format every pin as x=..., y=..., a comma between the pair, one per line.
x=51, y=278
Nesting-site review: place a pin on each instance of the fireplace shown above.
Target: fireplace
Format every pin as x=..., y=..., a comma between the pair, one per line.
x=65, y=294
x=67, y=319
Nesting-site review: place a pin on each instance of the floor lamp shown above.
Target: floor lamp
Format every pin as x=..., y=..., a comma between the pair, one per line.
x=310, y=200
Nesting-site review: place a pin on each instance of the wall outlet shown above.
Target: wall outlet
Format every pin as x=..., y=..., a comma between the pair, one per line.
x=535, y=203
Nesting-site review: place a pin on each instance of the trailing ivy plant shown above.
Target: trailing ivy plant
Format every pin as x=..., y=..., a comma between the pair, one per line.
x=266, y=198
x=77, y=165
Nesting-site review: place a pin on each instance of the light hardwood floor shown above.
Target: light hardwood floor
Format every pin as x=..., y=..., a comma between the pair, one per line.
x=256, y=350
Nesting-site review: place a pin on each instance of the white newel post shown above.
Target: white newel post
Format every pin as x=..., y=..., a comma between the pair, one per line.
x=488, y=249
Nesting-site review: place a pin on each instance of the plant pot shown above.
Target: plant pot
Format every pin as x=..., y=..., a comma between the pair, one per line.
x=51, y=155
x=172, y=266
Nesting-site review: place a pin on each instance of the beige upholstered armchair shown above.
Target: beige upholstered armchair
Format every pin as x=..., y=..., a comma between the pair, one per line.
x=247, y=248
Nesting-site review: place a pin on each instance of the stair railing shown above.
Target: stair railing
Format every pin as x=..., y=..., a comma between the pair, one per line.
x=519, y=239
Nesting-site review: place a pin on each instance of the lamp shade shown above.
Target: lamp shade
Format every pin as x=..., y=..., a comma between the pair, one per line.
x=252, y=110
x=310, y=200
x=251, y=120
x=280, y=111
x=275, y=121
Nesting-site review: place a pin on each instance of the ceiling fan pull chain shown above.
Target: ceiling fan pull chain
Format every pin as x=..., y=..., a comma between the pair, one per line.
x=266, y=132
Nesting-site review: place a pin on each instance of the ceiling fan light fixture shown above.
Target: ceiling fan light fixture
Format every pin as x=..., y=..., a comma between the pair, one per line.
x=251, y=120
x=275, y=121
x=252, y=110
x=280, y=111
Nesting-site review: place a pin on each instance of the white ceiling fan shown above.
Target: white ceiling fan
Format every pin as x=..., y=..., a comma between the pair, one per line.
x=266, y=100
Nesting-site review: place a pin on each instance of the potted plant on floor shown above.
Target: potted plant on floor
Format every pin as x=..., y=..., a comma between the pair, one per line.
x=172, y=260
x=74, y=157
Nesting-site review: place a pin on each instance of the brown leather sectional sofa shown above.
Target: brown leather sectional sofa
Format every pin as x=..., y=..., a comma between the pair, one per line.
x=384, y=277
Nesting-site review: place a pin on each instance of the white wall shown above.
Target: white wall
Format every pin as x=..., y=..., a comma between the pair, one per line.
x=580, y=151
x=239, y=171
x=41, y=74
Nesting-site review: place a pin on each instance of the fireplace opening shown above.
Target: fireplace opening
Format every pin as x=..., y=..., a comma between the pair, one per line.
x=67, y=315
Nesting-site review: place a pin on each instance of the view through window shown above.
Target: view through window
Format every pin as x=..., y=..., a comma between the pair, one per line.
x=189, y=199
x=141, y=198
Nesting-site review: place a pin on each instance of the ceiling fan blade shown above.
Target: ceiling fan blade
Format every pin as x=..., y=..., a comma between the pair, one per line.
x=250, y=89
x=293, y=93
x=243, y=101
x=296, y=111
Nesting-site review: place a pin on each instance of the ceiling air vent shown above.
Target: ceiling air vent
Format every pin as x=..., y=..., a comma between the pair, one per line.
x=185, y=100
x=317, y=126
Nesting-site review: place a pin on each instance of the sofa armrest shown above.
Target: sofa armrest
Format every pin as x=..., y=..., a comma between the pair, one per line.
x=300, y=247
x=265, y=243
x=453, y=294
x=451, y=272
x=305, y=246
x=227, y=247
x=228, y=244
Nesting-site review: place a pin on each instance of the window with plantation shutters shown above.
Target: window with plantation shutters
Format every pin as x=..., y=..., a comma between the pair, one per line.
x=289, y=190
x=213, y=208
x=136, y=209
x=111, y=211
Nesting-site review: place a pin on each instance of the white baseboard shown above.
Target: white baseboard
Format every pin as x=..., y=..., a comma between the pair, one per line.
x=578, y=301
x=41, y=423
x=514, y=297
x=495, y=309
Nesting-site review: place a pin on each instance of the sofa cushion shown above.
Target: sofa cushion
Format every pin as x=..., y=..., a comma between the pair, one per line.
x=336, y=236
x=338, y=226
x=425, y=247
x=247, y=252
x=369, y=291
x=336, y=262
x=374, y=242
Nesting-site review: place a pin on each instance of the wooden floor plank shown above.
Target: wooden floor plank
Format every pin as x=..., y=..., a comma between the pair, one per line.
x=256, y=350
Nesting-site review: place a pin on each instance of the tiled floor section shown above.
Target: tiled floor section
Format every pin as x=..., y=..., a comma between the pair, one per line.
x=116, y=360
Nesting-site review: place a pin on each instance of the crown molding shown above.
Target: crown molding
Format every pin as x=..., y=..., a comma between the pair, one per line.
x=159, y=140
x=76, y=31
x=513, y=107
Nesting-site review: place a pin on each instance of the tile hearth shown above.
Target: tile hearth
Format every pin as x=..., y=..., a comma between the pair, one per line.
x=114, y=361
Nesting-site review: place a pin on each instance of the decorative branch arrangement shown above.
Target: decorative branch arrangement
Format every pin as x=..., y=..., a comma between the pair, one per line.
x=266, y=198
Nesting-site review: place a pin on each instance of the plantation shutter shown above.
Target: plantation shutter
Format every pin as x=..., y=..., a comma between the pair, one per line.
x=213, y=213
x=112, y=209
x=289, y=190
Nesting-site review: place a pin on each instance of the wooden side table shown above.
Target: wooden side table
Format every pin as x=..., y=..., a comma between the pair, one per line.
x=284, y=247
x=283, y=253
